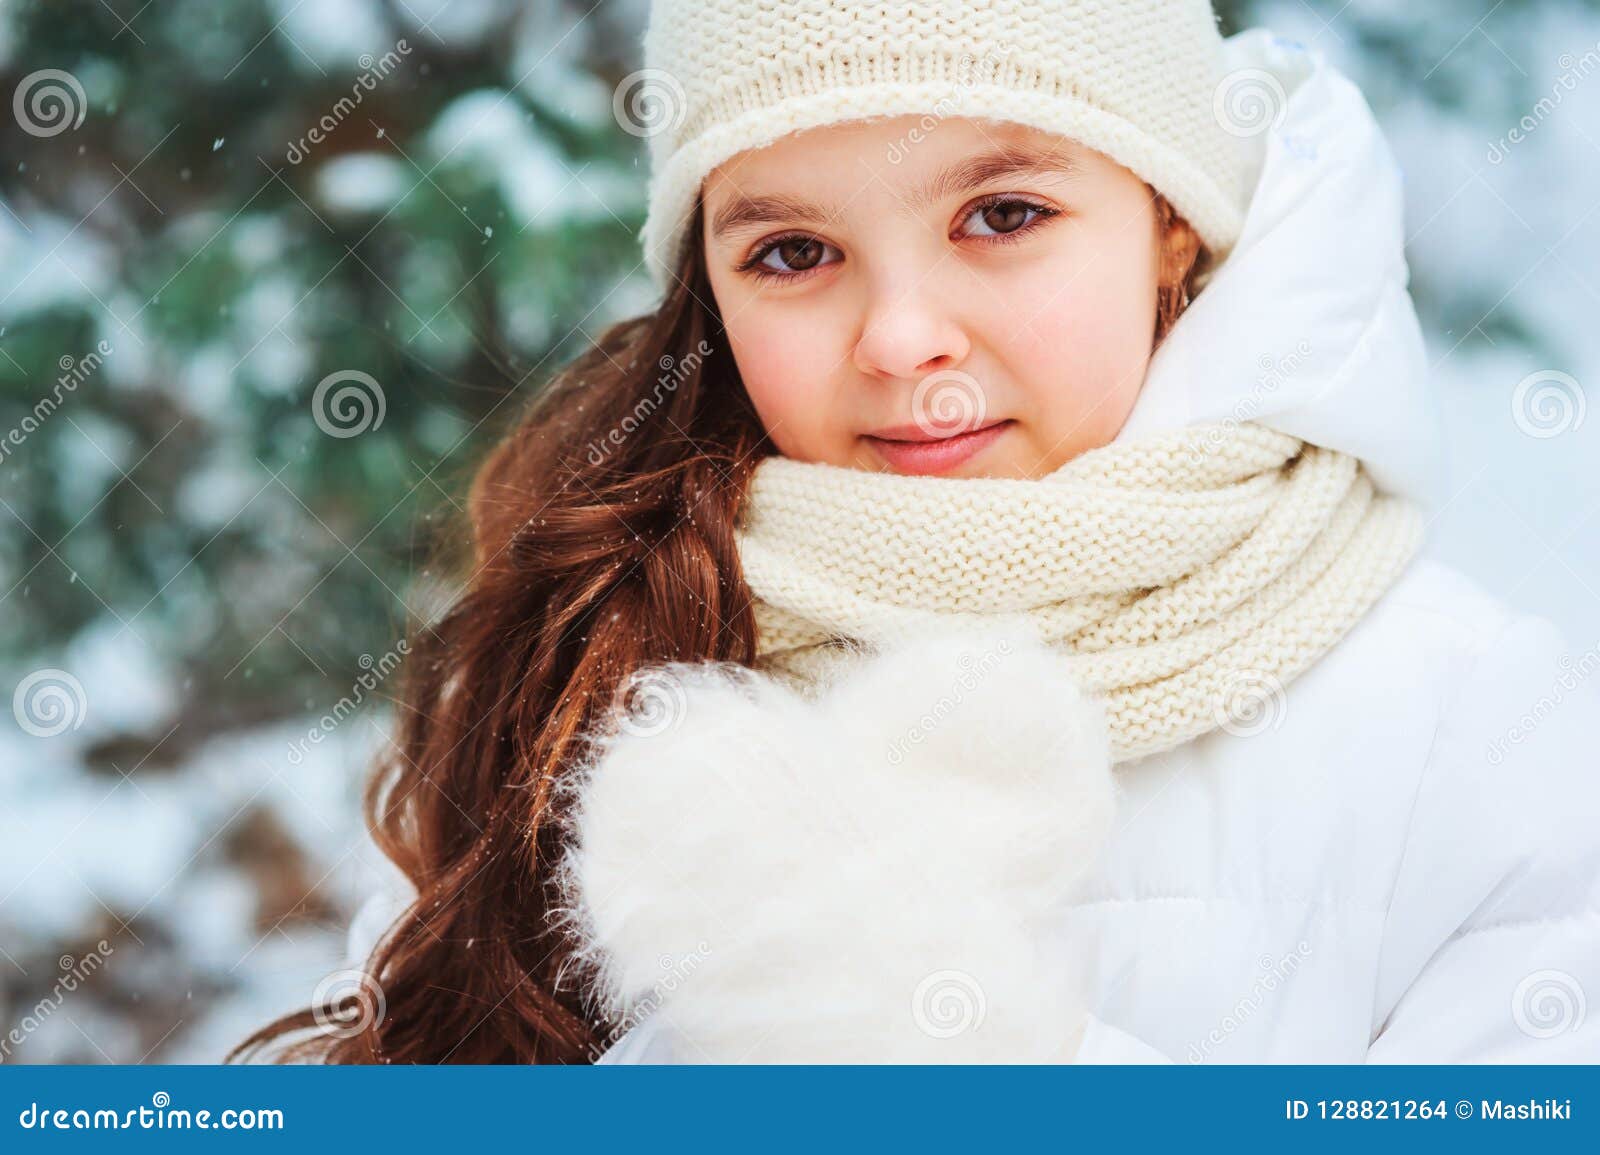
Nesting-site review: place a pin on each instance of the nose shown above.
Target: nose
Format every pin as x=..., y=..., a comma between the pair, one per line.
x=908, y=333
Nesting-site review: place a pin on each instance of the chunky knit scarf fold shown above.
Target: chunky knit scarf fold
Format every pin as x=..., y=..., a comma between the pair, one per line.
x=1188, y=577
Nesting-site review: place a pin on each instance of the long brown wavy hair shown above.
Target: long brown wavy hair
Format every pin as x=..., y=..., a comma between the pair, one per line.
x=603, y=541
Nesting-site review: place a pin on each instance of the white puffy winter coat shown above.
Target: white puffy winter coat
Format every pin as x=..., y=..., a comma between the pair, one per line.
x=1401, y=862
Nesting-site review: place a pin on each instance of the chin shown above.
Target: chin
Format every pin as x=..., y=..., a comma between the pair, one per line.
x=1004, y=460
x=1013, y=471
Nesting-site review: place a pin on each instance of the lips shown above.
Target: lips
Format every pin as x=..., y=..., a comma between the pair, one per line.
x=919, y=433
x=911, y=449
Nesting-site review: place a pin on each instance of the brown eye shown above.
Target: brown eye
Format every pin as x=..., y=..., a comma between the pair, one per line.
x=1005, y=217
x=797, y=255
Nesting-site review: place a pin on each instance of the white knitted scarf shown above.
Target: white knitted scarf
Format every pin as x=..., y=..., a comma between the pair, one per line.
x=1189, y=576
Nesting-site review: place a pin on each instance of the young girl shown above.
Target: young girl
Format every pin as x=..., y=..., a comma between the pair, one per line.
x=978, y=616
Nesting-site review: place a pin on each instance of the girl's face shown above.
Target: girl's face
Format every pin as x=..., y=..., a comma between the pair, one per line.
x=968, y=298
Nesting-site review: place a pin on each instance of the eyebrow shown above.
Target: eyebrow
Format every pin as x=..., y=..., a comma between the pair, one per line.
x=742, y=211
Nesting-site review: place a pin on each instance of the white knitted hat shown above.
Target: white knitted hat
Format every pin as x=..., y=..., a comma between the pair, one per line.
x=1138, y=80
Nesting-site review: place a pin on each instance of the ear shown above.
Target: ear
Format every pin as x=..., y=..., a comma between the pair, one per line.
x=1180, y=251
x=1180, y=246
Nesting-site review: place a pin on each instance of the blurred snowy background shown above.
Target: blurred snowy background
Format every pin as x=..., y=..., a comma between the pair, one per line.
x=206, y=564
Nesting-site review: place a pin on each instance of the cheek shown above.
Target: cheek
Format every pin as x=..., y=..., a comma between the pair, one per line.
x=786, y=370
x=1083, y=352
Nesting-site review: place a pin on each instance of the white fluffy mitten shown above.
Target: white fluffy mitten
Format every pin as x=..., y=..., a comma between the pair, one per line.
x=855, y=877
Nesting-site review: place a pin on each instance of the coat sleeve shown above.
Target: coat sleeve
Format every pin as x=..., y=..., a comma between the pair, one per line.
x=1491, y=945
